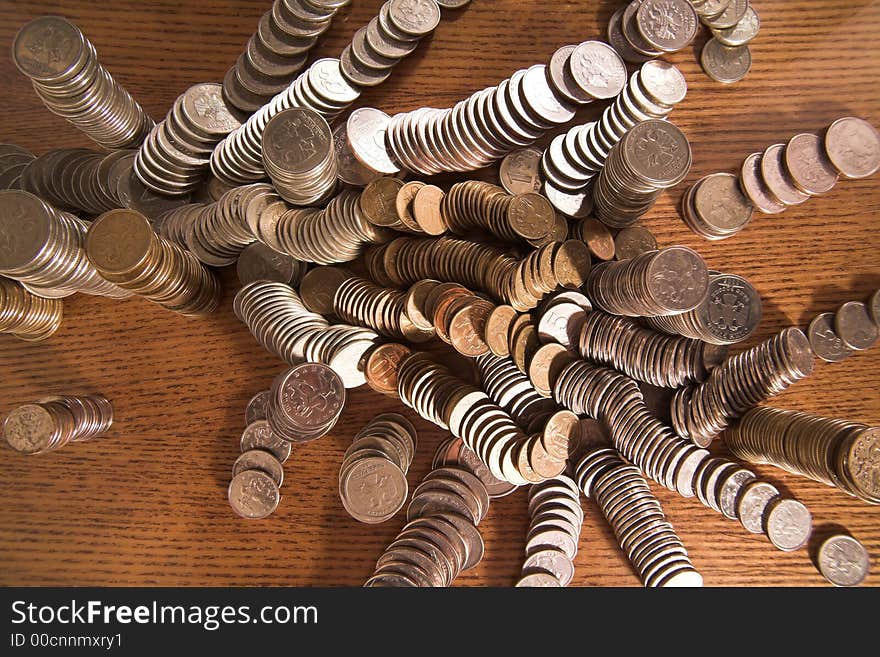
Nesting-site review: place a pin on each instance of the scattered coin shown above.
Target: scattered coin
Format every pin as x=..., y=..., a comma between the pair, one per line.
x=843, y=561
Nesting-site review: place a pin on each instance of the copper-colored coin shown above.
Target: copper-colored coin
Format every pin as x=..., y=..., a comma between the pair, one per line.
x=467, y=328
x=378, y=201
x=498, y=327
x=561, y=431
x=404, y=203
x=544, y=463
x=382, y=366
x=571, y=264
x=318, y=288
x=426, y=209
x=633, y=241
x=525, y=344
x=531, y=216
x=546, y=366
x=120, y=240
x=520, y=171
x=416, y=298
x=597, y=238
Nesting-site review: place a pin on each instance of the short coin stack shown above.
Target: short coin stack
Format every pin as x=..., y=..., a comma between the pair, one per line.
x=854, y=327
x=716, y=207
x=258, y=472
x=305, y=402
x=836, y=452
x=64, y=69
x=652, y=156
x=25, y=315
x=175, y=156
x=555, y=521
x=372, y=478
x=652, y=28
x=511, y=217
x=218, y=232
x=726, y=57
x=459, y=318
x=52, y=422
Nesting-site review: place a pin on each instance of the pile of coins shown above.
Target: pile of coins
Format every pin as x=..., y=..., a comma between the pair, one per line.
x=305, y=402
x=645, y=355
x=645, y=535
x=511, y=217
x=64, y=70
x=175, y=156
x=218, y=232
x=440, y=538
x=836, y=452
x=665, y=282
x=652, y=156
x=575, y=157
x=13, y=162
x=652, y=28
x=238, y=158
x=555, y=521
x=452, y=452
x=258, y=262
x=702, y=412
x=781, y=176
x=25, y=315
x=372, y=477
x=730, y=313
x=277, y=51
x=726, y=57
x=43, y=249
x=854, y=327
x=52, y=422
x=125, y=250
x=277, y=318
x=511, y=390
x=258, y=472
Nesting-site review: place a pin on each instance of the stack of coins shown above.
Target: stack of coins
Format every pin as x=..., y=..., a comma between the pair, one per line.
x=382, y=364
x=25, y=315
x=836, y=452
x=325, y=236
x=715, y=207
x=512, y=217
x=562, y=318
x=459, y=318
x=440, y=538
x=702, y=412
x=725, y=63
x=13, y=162
x=253, y=494
x=652, y=156
x=305, y=402
x=452, y=452
x=258, y=262
x=238, y=158
x=372, y=478
x=652, y=28
x=730, y=313
x=645, y=535
x=555, y=521
x=389, y=37
x=174, y=224
x=175, y=156
x=277, y=318
x=574, y=158
x=43, y=249
x=511, y=389
x=645, y=355
x=299, y=156
x=218, y=232
x=64, y=69
x=76, y=179
x=737, y=25
x=52, y=422
x=277, y=51
x=665, y=282
x=124, y=249
x=350, y=169
x=391, y=203
x=854, y=327
x=258, y=472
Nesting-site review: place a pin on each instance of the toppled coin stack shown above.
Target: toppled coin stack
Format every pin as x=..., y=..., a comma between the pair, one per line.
x=726, y=57
x=372, y=477
x=511, y=217
x=14, y=160
x=854, y=327
x=52, y=422
x=305, y=402
x=25, y=315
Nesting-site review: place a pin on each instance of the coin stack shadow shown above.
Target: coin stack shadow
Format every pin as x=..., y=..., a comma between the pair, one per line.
x=54, y=421
x=701, y=412
x=47, y=254
x=642, y=30
x=175, y=157
x=277, y=51
x=372, y=477
x=124, y=249
x=25, y=315
x=14, y=160
x=64, y=70
x=836, y=452
x=645, y=535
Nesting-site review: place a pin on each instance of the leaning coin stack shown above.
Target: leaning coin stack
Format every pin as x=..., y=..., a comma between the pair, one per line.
x=238, y=159
x=726, y=58
x=511, y=389
x=299, y=156
x=854, y=327
x=572, y=159
x=836, y=452
x=645, y=355
x=716, y=207
x=52, y=422
x=372, y=478
x=125, y=250
x=665, y=282
x=440, y=538
x=703, y=411
x=258, y=472
x=596, y=236
x=555, y=521
x=652, y=156
x=730, y=313
x=452, y=452
x=25, y=315
x=277, y=51
x=258, y=262
x=511, y=217
x=645, y=535
x=459, y=318
x=174, y=224
x=217, y=233
x=44, y=249
x=175, y=157
x=64, y=69
x=652, y=28
x=305, y=402
x=13, y=162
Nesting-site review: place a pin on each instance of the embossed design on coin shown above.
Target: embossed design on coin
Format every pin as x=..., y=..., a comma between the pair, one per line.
x=520, y=171
x=853, y=146
x=825, y=343
x=253, y=494
x=843, y=561
x=598, y=69
x=854, y=325
x=725, y=64
x=668, y=25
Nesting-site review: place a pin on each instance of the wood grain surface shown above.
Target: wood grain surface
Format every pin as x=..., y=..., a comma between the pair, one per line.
x=146, y=504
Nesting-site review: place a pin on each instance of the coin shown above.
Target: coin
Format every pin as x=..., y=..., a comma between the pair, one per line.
x=253, y=494
x=597, y=69
x=826, y=344
x=843, y=561
x=777, y=178
x=519, y=172
x=259, y=262
x=262, y=460
x=754, y=187
x=258, y=435
x=853, y=147
x=599, y=241
x=743, y=32
x=256, y=407
x=667, y=25
x=498, y=327
x=753, y=502
x=854, y=325
x=366, y=134
x=632, y=241
x=382, y=367
x=789, y=524
x=426, y=209
x=808, y=164
x=874, y=307
x=725, y=64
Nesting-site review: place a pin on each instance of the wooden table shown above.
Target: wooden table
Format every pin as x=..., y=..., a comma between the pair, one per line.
x=146, y=504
